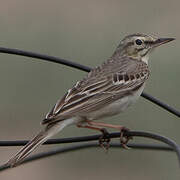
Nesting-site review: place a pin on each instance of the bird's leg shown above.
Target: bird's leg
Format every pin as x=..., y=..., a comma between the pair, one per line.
x=123, y=139
x=104, y=140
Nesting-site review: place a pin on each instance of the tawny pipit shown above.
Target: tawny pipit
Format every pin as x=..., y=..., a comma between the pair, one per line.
x=107, y=90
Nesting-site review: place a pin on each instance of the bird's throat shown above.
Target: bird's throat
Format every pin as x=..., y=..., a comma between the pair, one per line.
x=145, y=58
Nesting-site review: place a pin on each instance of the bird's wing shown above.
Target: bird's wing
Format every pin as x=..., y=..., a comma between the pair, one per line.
x=103, y=85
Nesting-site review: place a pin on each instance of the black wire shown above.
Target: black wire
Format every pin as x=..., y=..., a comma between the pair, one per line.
x=161, y=104
x=89, y=138
x=172, y=144
x=44, y=57
x=85, y=146
x=81, y=67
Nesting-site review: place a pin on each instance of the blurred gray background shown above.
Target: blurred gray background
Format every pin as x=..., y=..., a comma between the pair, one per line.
x=87, y=32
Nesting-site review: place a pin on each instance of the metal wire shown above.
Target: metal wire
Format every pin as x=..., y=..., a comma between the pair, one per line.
x=172, y=144
x=82, y=146
x=84, y=68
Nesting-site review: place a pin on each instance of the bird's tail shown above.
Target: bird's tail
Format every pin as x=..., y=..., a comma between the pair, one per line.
x=39, y=139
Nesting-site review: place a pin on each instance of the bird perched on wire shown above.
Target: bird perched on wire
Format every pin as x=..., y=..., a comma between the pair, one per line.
x=107, y=90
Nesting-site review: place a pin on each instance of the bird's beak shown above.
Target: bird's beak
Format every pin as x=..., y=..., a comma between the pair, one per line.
x=161, y=41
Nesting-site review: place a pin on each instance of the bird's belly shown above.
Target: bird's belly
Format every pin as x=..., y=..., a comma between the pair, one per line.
x=117, y=106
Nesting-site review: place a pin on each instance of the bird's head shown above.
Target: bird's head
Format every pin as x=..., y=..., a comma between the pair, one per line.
x=140, y=45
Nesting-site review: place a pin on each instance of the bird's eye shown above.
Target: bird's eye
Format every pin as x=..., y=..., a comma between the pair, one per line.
x=138, y=42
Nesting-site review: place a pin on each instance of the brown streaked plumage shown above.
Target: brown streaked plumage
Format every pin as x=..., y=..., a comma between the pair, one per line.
x=107, y=90
x=100, y=86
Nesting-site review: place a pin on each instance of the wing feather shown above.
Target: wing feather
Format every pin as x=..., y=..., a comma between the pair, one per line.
x=102, y=86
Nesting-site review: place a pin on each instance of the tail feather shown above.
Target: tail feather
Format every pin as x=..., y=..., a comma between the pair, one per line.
x=27, y=149
x=36, y=142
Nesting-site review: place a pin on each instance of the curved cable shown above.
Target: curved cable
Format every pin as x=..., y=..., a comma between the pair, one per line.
x=173, y=146
x=82, y=146
x=81, y=67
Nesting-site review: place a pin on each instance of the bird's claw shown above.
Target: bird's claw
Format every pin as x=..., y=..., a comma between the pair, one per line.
x=124, y=139
x=104, y=140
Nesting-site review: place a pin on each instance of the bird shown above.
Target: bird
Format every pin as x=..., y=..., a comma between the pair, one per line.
x=107, y=90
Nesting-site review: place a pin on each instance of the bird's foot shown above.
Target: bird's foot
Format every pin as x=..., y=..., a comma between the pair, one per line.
x=124, y=139
x=104, y=140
